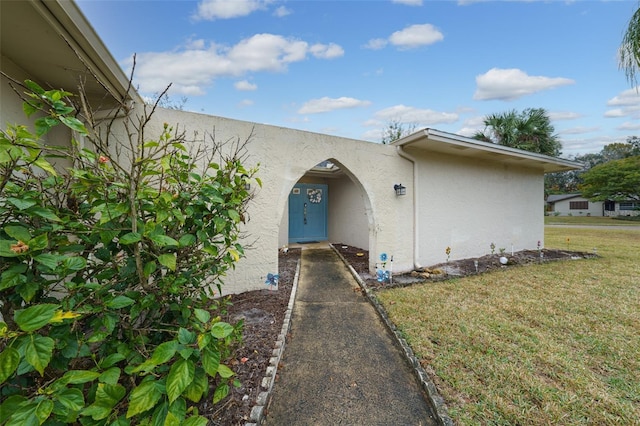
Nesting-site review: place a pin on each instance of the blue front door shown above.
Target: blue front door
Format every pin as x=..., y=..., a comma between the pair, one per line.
x=308, y=213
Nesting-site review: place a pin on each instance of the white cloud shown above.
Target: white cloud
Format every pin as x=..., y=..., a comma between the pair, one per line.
x=282, y=11
x=626, y=98
x=563, y=115
x=327, y=104
x=615, y=113
x=245, y=85
x=191, y=69
x=578, y=130
x=376, y=44
x=416, y=36
x=629, y=125
x=408, y=38
x=408, y=2
x=246, y=103
x=411, y=115
x=326, y=51
x=210, y=10
x=510, y=84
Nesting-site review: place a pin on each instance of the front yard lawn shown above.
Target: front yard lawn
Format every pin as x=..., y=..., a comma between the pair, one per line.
x=556, y=343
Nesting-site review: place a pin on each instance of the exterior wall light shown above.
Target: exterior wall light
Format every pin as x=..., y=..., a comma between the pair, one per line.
x=400, y=190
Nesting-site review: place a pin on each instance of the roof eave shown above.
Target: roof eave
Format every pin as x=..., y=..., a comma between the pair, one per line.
x=439, y=141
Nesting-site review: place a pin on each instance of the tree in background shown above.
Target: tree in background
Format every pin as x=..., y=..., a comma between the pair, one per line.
x=629, y=52
x=615, y=180
x=396, y=130
x=530, y=130
x=570, y=181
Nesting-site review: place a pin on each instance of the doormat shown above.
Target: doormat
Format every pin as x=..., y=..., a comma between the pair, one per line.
x=308, y=242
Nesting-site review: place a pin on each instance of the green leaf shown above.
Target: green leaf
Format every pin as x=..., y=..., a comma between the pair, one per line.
x=120, y=302
x=13, y=276
x=46, y=166
x=164, y=352
x=22, y=204
x=38, y=352
x=220, y=392
x=31, y=413
x=149, y=268
x=5, y=249
x=45, y=213
x=35, y=317
x=18, y=232
x=110, y=376
x=224, y=371
x=177, y=413
x=168, y=260
x=195, y=421
x=163, y=240
x=39, y=243
x=186, y=337
x=10, y=406
x=180, y=376
x=187, y=240
x=71, y=398
x=76, y=377
x=198, y=387
x=202, y=315
x=9, y=360
x=211, y=360
x=51, y=261
x=107, y=396
x=111, y=360
x=75, y=263
x=221, y=330
x=74, y=124
x=144, y=397
x=130, y=238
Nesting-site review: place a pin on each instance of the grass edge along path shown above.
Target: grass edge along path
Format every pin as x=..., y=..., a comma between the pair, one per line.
x=555, y=343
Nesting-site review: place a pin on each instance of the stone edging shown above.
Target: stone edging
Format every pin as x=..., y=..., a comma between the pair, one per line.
x=435, y=400
x=258, y=410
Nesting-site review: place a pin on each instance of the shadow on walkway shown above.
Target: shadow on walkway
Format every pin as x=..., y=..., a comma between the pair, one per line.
x=340, y=365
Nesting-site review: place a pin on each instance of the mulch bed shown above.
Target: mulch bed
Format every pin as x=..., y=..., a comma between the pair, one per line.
x=263, y=312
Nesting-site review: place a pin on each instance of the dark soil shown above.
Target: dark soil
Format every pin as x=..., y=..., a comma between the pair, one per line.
x=263, y=312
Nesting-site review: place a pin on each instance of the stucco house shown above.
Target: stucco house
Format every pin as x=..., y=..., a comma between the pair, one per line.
x=410, y=199
x=577, y=205
x=573, y=205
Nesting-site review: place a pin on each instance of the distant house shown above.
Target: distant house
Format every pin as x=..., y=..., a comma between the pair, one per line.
x=573, y=205
x=411, y=199
x=577, y=205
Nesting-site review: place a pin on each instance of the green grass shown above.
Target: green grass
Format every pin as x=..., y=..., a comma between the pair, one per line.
x=587, y=220
x=550, y=344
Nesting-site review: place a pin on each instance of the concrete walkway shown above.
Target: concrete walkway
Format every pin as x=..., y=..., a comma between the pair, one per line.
x=340, y=365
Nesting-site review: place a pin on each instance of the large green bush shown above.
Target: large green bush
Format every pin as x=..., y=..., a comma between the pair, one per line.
x=108, y=262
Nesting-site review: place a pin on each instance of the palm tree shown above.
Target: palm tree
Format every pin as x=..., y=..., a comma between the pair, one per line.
x=530, y=130
x=629, y=52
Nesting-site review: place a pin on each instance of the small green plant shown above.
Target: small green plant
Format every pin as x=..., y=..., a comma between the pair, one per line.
x=107, y=269
x=448, y=253
x=492, y=246
x=502, y=250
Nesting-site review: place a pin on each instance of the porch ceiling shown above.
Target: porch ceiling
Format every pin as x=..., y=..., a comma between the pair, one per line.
x=44, y=38
x=448, y=143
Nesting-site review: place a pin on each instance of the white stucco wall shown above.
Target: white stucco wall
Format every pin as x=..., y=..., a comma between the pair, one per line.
x=563, y=207
x=348, y=219
x=285, y=155
x=466, y=204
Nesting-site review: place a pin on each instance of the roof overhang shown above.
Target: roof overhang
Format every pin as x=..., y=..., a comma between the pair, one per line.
x=52, y=41
x=432, y=140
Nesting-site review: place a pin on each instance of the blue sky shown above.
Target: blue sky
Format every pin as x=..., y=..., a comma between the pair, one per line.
x=350, y=68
